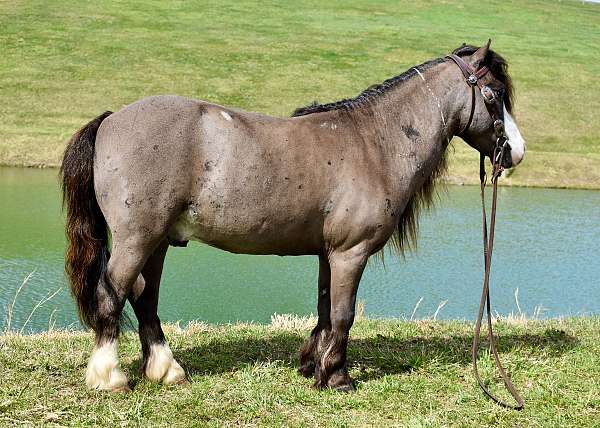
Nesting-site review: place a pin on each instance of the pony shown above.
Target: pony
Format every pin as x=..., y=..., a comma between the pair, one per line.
x=337, y=181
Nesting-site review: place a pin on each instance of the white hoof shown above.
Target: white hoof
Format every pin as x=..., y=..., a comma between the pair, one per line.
x=162, y=367
x=103, y=370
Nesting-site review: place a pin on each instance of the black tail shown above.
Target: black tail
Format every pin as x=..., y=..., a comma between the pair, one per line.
x=87, y=251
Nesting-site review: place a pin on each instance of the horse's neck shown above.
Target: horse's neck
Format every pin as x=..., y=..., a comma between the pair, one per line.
x=415, y=121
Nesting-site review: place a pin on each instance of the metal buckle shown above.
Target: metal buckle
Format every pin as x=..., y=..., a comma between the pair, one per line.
x=488, y=94
x=472, y=79
x=499, y=126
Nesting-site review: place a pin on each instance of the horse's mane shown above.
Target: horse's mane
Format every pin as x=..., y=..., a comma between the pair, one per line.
x=366, y=95
x=496, y=63
x=405, y=235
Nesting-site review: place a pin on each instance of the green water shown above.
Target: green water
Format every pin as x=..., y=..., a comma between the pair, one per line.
x=548, y=247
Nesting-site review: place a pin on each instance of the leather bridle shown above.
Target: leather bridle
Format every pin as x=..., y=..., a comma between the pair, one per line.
x=473, y=78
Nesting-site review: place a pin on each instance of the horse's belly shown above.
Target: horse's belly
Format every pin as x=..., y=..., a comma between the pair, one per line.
x=247, y=234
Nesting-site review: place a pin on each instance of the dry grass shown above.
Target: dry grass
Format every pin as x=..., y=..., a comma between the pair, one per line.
x=407, y=373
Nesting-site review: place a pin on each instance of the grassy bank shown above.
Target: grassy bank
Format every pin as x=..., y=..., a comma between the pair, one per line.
x=64, y=62
x=407, y=373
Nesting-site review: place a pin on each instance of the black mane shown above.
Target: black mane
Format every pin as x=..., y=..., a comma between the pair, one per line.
x=495, y=62
x=369, y=93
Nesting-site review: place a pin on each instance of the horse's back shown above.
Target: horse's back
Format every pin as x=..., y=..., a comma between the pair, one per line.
x=168, y=126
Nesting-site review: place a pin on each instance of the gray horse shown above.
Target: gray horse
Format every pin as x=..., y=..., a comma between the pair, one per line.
x=337, y=181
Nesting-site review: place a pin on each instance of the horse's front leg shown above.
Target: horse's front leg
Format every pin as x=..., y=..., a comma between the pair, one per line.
x=308, y=352
x=346, y=270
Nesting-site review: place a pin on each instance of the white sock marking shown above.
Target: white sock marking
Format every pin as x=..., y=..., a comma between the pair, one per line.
x=103, y=370
x=162, y=367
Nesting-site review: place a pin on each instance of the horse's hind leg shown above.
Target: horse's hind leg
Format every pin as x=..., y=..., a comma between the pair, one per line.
x=308, y=352
x=158, y=363
x=346, y=270
x=126, y=261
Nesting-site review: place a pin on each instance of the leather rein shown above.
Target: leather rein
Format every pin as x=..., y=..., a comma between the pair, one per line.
x=473, y=78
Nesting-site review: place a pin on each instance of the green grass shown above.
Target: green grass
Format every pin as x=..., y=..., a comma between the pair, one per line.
x=64, y=62
x=407, y=374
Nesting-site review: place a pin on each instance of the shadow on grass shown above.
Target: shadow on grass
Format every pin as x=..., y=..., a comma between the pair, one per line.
x=374, y=356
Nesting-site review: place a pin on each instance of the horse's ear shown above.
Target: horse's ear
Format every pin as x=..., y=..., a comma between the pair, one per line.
x=478, y=58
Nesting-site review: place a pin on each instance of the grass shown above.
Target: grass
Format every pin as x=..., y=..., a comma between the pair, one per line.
x=64, y=62
x=408, y=374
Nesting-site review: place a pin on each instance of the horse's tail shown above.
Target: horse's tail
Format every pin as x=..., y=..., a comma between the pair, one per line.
x=87, y=249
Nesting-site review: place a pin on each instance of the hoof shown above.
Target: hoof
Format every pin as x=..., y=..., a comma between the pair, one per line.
x=162, y=367
x=341, y=381
x=179, y=381
x=347, y=388
x=103, y=370
x=175, y=375
x=307, y=370
x=121, y=389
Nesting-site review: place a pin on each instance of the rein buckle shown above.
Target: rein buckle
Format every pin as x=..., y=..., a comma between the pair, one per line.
x=499, y=126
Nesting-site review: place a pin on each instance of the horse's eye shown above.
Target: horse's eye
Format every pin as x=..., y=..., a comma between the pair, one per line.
x=488, y=94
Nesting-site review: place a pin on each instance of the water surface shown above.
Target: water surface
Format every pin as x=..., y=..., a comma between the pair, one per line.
x=548, y=246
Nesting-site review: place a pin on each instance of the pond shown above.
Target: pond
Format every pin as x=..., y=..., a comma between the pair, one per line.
x=548, y=248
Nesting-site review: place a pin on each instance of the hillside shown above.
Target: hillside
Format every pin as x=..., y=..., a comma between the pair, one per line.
x=64, y=62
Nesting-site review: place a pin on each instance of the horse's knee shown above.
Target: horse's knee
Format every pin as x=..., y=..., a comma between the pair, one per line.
x=161, y=366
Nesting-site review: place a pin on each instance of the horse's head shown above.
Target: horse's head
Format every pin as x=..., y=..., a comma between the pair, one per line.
x=490, y=120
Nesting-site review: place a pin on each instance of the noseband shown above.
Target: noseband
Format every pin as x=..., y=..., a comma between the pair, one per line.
x=473, y=78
